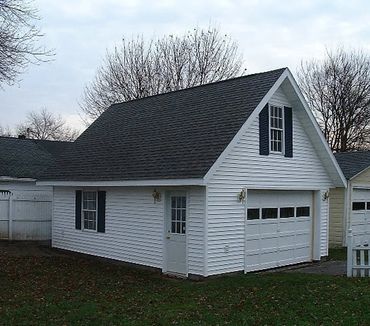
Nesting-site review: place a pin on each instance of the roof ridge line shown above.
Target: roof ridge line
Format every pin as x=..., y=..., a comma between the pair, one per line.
x=37, y=140
x=198, y=86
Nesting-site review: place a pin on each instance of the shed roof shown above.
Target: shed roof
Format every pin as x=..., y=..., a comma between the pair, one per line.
x=352, y=163
x=176, y=135
x=28, y=158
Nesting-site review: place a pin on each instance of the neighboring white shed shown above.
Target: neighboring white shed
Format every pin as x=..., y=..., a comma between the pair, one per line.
x=229, y=176
x=350, y=207
x=25, y=208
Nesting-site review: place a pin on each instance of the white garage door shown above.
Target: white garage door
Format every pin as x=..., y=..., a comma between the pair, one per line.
x=279, y=228
x=361, y=216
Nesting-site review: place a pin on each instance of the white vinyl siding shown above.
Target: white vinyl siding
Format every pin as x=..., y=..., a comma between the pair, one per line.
x=244, y=167
x=134, y=229
x=195, y=230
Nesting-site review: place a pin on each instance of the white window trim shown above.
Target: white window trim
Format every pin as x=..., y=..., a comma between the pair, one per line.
x=283, y=130
x=89, y=210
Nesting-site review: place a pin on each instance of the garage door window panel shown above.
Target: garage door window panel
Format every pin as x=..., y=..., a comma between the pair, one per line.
x=269, y=213
x=253, y=214
x=303, y=211
x=286, y=212
x=358, y=206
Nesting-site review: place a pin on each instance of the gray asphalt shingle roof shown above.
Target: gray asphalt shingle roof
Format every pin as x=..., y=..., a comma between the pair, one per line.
x=353, y=163
x=27, y=158
x=178, y=134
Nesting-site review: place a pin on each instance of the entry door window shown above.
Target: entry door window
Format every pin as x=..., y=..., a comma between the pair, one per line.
x=178, y=214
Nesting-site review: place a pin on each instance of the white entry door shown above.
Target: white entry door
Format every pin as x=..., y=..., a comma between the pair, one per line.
x=176, y=219
x=361, y=216
x=278, y=228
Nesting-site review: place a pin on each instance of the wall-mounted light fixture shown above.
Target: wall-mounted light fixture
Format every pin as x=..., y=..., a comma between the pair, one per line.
x=325, y=195
x=156, y=196
x=242, y=195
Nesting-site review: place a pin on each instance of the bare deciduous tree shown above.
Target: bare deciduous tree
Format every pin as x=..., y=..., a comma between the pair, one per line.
x=338, y=91
x=5, y=131
x=136, y=68
x=46, y=125
x=19, y=36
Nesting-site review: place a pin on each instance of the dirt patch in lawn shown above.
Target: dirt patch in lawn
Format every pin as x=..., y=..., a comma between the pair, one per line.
x=28, y=248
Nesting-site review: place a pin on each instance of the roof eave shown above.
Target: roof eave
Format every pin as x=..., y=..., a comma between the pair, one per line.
x=124, y=183
x=15, y=179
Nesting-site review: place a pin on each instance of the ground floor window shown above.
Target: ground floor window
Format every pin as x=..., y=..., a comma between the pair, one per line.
x=89, y=210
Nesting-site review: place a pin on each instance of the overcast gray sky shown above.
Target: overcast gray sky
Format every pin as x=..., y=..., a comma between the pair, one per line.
x=270, y=34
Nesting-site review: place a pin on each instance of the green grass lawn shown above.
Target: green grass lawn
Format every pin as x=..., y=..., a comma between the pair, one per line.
x=80, y=291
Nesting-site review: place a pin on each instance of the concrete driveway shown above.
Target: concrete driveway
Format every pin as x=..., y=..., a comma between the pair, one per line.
x=329, y=267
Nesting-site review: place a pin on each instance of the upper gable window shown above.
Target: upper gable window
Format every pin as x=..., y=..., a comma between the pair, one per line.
x=276, y=115
x=276, y=130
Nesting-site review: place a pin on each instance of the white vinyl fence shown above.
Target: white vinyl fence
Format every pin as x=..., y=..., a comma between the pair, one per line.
x=25, y=215
x=358, y=257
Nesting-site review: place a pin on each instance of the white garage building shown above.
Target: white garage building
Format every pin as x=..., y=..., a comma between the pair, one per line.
x=350, y=207
x=229, y=176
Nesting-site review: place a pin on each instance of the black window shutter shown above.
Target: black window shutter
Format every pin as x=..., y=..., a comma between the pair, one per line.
x=78, y=209
x=264, y=131
x=288, y=125
x=101, y=211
